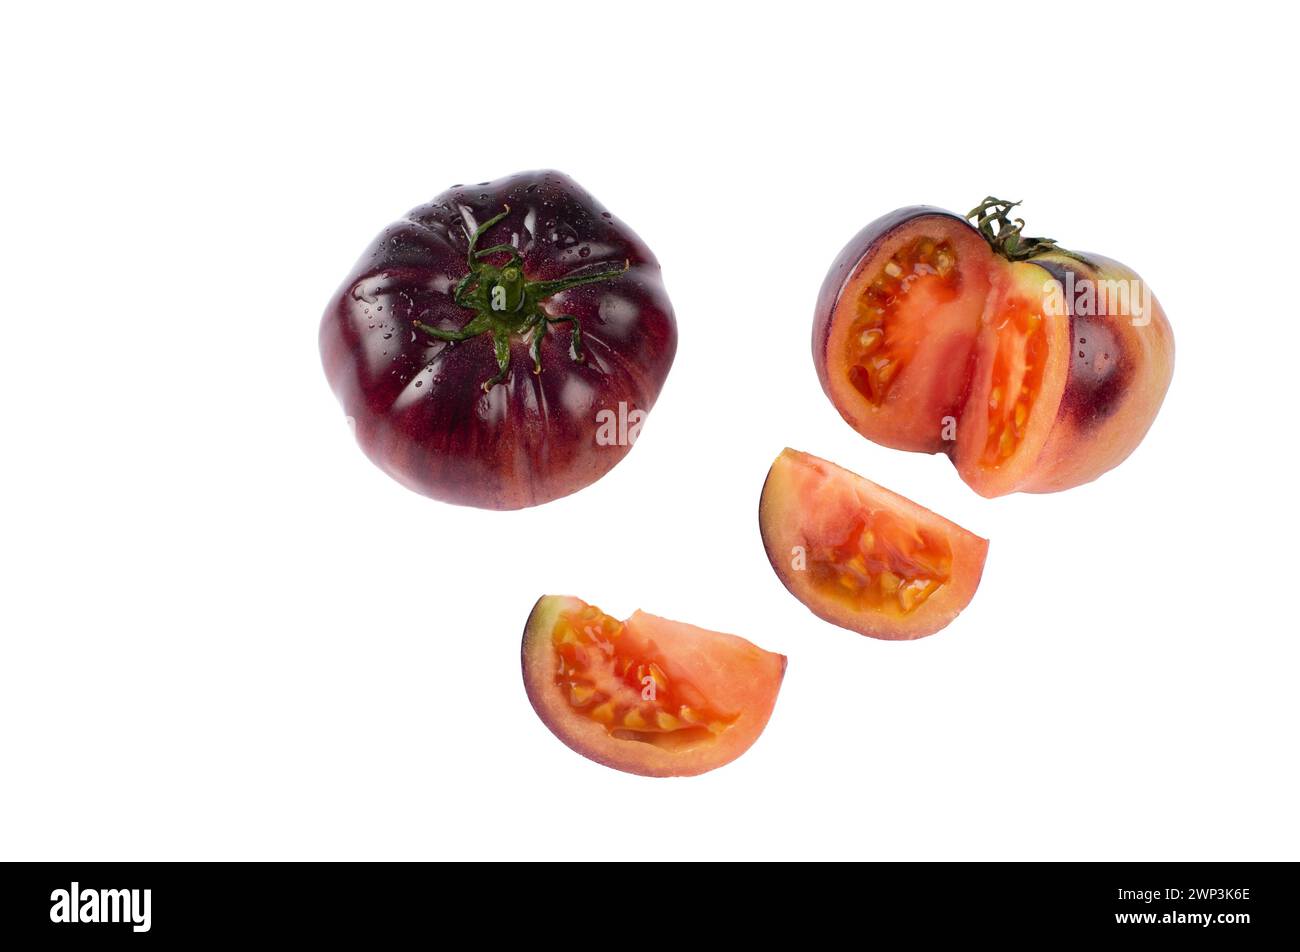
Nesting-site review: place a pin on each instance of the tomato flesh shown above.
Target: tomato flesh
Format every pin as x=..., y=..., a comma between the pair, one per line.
x=929, y=286
x=618, y=679
x=896, y=326
x=882, y=564
x=881, y=344
x=1017, y=379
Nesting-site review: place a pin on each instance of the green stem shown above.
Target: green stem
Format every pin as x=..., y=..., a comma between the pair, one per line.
x=992, y=218
x=478, y=233
x=544, y=289
x=507, y=305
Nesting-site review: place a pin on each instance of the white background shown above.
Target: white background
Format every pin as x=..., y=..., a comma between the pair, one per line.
x=225, y=634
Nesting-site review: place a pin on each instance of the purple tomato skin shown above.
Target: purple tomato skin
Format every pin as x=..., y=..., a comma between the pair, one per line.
x=426, y=410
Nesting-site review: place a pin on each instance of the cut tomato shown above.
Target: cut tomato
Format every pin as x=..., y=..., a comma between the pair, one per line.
x=862, y=557
x=646, y=695
x=1016, y=386
x=894, y=341
x=1034, y=368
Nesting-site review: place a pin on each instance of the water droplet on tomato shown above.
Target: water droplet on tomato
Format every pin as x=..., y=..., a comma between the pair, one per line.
x=564, y=235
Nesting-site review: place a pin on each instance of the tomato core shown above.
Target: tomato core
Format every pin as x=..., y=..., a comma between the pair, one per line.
x=620, y=680
x=880, y=346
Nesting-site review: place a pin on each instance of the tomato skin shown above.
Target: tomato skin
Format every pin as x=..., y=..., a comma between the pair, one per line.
x=418, y=404
x=1119, y=372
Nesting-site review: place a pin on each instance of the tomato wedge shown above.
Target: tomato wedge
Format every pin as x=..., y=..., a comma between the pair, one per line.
x=647, y=695
x=862, y=557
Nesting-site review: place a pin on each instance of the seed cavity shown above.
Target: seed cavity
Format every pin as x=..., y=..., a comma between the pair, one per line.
x=1017, y=370
x=882, y=564
x=875, y=360
x=625, y=686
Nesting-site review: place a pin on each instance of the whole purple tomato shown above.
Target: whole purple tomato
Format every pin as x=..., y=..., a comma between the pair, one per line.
x=500, y=346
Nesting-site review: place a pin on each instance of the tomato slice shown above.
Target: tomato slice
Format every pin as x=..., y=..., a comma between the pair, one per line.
x=895, y=353
x=646, y=695
x=1016, y=388
x=862, y=557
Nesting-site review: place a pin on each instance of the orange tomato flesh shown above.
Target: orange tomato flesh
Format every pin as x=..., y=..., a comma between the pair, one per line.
x=619, y=680
x=882, y=564
x=1017, y=377
x=880, y=348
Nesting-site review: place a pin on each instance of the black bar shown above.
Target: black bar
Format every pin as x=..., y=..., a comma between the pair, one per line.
x=1229, y=904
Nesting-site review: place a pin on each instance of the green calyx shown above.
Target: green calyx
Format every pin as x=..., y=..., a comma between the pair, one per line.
x=507, y=305
x=992, y=218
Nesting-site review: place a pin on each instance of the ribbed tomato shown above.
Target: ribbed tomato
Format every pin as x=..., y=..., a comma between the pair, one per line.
x=501, y=345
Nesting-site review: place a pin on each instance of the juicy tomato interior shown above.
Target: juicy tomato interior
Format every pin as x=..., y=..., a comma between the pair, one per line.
x=862, y=557
x=618, y=678
x=1017, y=380
x=882, y=563
x=881, y=344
